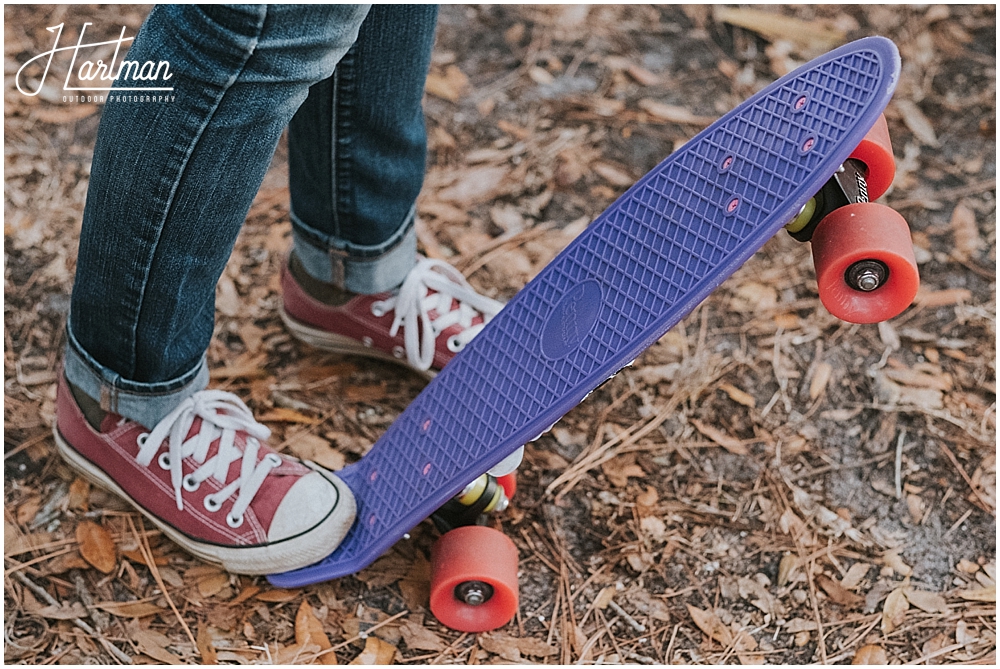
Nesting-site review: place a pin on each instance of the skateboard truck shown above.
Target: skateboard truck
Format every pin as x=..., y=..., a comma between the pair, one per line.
x=848, y=186
x=470, y=507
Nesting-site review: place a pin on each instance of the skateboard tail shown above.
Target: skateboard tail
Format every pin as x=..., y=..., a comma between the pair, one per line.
x=638, y=269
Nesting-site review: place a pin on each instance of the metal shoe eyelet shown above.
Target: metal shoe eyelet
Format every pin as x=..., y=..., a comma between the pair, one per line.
x=141, y=439
x=212, y=504
x=233, y=522
x=190, y=484
x=378, y=311
x=398, y=352
x=164, y=460
x=274, y=458
x=454, y=345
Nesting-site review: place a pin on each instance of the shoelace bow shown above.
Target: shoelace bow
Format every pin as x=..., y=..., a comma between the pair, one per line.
x=432, y=286
x=222, y=416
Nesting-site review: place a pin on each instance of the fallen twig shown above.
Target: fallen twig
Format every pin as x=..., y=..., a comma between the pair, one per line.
x=49, y=599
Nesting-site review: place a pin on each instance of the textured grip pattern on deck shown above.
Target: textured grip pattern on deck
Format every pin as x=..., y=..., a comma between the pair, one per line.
x=654, y=255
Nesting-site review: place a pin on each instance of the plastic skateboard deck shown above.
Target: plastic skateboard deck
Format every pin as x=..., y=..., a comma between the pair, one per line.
x=637, y=270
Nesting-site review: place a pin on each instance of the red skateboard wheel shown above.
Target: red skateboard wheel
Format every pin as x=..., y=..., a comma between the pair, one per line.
x=875, y=151
x=509, y=484
x=474, y=579
x=849, y=246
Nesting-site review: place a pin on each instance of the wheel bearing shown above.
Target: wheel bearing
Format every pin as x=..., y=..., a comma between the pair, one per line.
x=473, y=593
x=866, y=275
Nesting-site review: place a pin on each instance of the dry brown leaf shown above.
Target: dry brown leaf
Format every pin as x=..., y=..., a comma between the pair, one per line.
x=967, y=566
x=499, y=644
x=130, y=609
x=934, y=644
x=309, y=631
x=711, y=625
x=915, y=505
x=894, y=610
x=604, y=597
x=785, y=568
x=821, y=377
x=620, y=469
x=838, y=593
x=540, y=75
x=755, y=592
x=918, y=379
x=449, y=85
x=728, y=442
x=642, y=75
x=96, y=546
x=674, y=114
x=312, y=447
x=930, y=602
x=943, y=298
x=808, y=35
x=212, y=584
x=915, y=120
x=512, y=648
x=965, y=231
x=249, y=367
x=79, y=495
x=277, y=595
x=535, y=647
x=418, y=637
x=855, y=575
x=296, y=653
x=153, y=644
x=283, y=415
x=476, y=184
x=385, y=571
x=737, y=395
x=753, y=296
x=376, y=652
x=987, y=594
x=245, y=594
x=15, y=542
x=205, y=647
x=892, y=559
x=62, y=611
x=615, y=176
x=870, y=654
x=227, y=300
x=135, y=555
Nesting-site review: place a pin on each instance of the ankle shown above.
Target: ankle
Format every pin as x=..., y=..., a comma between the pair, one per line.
x=326, y=293
x=90, y=407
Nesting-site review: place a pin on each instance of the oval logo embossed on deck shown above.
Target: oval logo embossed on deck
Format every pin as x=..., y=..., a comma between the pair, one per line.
x=572, y=319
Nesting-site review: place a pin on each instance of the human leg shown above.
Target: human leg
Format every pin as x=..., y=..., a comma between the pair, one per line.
x=170, y=186
x=357, y=158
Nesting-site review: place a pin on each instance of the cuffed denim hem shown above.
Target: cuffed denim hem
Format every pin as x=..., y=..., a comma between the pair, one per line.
x=359, y=269
x=145, y=403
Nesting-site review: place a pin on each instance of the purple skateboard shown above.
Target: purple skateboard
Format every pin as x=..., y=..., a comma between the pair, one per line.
x=637, y=270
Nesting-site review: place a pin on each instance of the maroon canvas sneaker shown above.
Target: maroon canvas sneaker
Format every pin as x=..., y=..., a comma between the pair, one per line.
x=432, y=316
x=204, y=476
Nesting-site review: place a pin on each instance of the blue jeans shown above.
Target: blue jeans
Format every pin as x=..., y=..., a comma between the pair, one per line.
x=171, y=183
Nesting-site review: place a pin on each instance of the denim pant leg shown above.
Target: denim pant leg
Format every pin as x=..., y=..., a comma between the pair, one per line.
x=171, y=185
x=357, y=155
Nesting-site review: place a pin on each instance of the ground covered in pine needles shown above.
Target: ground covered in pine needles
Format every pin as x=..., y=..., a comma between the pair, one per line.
x=766, y=485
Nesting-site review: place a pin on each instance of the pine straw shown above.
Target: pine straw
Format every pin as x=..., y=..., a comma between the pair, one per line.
x=706, y=506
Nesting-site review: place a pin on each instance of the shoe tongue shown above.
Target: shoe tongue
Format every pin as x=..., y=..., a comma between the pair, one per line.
x=110, y=422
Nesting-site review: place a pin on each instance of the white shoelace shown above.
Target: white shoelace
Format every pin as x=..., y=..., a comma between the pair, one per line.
x=432, y=286
x=222, y=416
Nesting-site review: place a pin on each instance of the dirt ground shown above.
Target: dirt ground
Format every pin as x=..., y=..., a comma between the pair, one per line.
x=766, y=485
